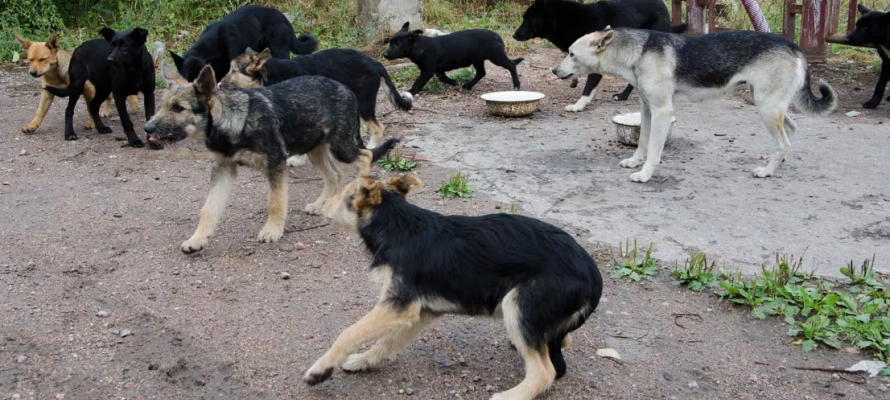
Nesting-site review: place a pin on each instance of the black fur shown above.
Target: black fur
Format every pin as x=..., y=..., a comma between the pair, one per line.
x=119, y=65
x=251, y=26
x=354, y=69
x=873, y=28
x=563, y=22
x=473, y=262
x=438, y=55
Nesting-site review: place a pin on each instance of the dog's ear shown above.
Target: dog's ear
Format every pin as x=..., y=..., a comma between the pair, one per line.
x=404, y=184
x=369, y=188
x=261, y=58
x=405, y=27
x=140, y=34
x=171, y=76
x=205, y=84
x=250, y=51
x=177, y=60
x=863, y=9
x=52, y=42
x=22, y=41
x=601, y=40
x=413, y=35
x=107, y=33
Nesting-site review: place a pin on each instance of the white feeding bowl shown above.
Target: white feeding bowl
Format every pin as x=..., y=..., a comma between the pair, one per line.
x=512, y=103
x=627, y=126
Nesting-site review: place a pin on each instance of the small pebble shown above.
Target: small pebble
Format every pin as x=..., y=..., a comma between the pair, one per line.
x=300, y=246
x=102, y=314
x=693, y=385
x=24, y=152
x=489, y=388
x=125, y=333
x=21, y=359
x=668, y=377
x=285, y=275
x=409, y=391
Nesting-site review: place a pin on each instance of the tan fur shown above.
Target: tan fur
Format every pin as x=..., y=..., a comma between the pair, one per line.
x=223, y=180
x=539, y=371
x=376, y=129
x=277, y=206
x=50, y=64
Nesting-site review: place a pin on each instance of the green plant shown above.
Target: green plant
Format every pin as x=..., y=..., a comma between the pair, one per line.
x=512, y=209
x=865, y=274
x=696, y=273
x=457, y=186
x=632, y=264
x=464, y=75
x=409, y=74
x=394, y=161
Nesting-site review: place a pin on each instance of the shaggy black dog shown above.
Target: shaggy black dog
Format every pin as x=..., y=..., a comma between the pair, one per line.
x=873, y=28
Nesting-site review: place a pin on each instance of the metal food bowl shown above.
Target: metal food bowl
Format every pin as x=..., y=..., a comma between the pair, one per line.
x=627, y=126
x=512, y=104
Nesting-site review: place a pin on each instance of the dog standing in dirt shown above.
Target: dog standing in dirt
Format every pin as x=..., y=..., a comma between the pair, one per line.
x=47, y=62
x=260, y=128
x=118, y=65
x=360, y=73
x=252, y=26
x=666, y=66
x=563, y=22
x=435, y=56
x=530, y=274
x=873, y=28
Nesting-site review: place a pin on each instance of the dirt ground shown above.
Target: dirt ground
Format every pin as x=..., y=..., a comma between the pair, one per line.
x=91, y=226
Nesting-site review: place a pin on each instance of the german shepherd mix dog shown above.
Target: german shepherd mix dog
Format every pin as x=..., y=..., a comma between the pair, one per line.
x=530, y=274
x=260, y=128
x=563, y=22
x=251, y=26
x=47, y=62
x=118, y=65
x=665, y=66
x=360, y=73
x=438, y=55
x=873, y=28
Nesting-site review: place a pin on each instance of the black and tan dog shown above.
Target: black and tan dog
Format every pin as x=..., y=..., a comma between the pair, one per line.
x=360, y=73
x=260, y=128
x=532, y=275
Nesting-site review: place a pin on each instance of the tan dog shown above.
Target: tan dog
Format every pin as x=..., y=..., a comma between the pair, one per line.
x=47, y=62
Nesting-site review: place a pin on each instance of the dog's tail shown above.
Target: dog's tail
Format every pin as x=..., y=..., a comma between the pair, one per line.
x=679, y=28
x=516, y=61
x=403, y=101
x=807, y=101
x=383, y=148
x=304, y=44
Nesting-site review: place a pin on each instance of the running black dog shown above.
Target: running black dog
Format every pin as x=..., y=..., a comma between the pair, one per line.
x=119, y=65
x=355, y=70
x=438, y=55
x=873, y=28
x=252, y=26
x=563, y=22
x=530, y=274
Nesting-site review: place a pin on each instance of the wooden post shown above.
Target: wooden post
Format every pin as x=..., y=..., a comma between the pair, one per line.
x=813, y=29
x=696, y=17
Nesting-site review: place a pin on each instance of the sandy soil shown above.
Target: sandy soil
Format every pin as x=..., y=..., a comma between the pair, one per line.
x=91, y=226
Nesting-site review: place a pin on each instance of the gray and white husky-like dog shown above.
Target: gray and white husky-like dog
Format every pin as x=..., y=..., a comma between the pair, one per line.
x=664, y=66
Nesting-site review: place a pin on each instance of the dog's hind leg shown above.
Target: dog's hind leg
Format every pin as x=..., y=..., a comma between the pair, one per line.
x=445, y=79
x=385, y=317
x=587, y=95
x=221, y=182
x=539, y=370
x=480, y=73
x=89, y=91
x=321, y=159
x=790, y=127
x=387, y=346
x=277, y=205
x=624, y=94
x=505, y=62
x=774, y=120
x=376, y=129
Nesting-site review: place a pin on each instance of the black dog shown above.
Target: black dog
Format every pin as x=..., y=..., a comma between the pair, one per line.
x=355, y=70
x=119, y=65
x=563, y=22
x=873, y=28
x=438, y=55
x=256, y=27
x=531, y=274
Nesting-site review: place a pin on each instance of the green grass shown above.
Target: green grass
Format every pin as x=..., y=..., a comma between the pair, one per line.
x=632, y=263
x=511, y=210
x=394, y=161
x=457, y=186
x=696, y=274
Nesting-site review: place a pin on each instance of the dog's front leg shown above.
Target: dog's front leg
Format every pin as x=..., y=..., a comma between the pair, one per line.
x=882, y=83
x=385, y=317
x=120, y=102
x=661, y=122
x=221, y=182
x=643, y=142
x=587, y=95
x=421, y=81
x=277, y=205
x=388, y=345
x=46, y=100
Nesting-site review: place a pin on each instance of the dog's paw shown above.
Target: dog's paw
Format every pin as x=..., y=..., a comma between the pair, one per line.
x=574, y=108
x=270, y=234
x=762, y=172
x=872, y=103
x=195, y=244
x=136, y=144
x=640, y=177
x=155, y=145
x=356, y=363
x=105, y=112
x=317, y=375
x=71, y=137
x=630, y=162
x=89, y=124
x=30, y=128
x=296, y=161
x=619, y=97
x=103, y=130
x=314, y=208
x=467, y=86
